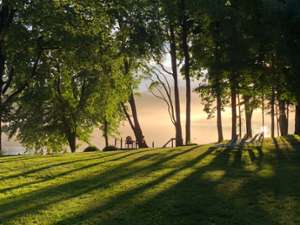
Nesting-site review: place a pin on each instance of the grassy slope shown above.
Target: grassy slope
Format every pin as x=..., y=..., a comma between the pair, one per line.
x=151, y=187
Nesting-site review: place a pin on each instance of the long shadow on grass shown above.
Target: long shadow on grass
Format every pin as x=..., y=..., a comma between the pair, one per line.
x=293, y=141
x=81, y=168
x=119, y=202
x=197, y=200
x=33, y=202
x=64, y=163
x=193, y=200
x=255, y=157
x=278, y=150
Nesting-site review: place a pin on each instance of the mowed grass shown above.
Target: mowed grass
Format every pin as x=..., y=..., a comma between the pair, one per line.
x=188, y=186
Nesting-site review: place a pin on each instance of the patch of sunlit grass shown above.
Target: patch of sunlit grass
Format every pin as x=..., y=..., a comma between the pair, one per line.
x=188, y=185
x=213, y=175
x=266, y=172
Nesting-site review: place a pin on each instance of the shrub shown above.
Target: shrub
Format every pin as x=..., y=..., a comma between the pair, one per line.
x=110, y=148
x=91, y=149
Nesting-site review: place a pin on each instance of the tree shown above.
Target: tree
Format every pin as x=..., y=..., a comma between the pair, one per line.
x=208, y=48
x=74, y=77
x=161, y=89
x=173, y=54
x=292, y=38
x=186, y=69
x=171, y=46
x=21, y=47
x=137, y=33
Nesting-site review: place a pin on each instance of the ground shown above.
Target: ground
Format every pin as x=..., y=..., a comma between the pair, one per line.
x=191, y=185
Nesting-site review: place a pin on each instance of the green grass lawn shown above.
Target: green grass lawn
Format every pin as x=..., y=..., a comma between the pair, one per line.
x=188, y=186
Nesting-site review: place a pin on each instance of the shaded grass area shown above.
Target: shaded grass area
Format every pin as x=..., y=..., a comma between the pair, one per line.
x=188, y=185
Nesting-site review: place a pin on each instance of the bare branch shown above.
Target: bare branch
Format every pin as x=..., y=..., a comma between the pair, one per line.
x=164, y=68
x=164, y=99
x=168, y=92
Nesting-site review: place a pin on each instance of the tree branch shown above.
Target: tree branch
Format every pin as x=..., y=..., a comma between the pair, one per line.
x=26, y=83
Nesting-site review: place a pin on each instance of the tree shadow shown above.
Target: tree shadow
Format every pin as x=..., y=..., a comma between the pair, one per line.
x=58, y=175
x=293, y=142
x=221, y=158
x=52, y=165
x=33, y=202
x=212, y=187
x=278, y=150
x=193, y=200
x=255, y=154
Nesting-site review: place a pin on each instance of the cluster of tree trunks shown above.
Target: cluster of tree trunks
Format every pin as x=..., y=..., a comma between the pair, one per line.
x=185, y=48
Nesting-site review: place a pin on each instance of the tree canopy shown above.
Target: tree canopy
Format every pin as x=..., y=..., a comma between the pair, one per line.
x=67, y=67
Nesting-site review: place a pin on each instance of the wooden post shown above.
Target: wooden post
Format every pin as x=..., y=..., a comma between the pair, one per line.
x=115, y=142
x=152, y=144
x=121, y=144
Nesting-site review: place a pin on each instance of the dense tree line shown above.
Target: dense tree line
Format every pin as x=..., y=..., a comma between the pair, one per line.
x=67, y=67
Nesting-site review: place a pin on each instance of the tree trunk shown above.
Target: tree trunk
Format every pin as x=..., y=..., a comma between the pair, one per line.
x=287, y=116
x=277, y=119
x=240, y=116
x=282, y=118
x=297, y=117
x=263, y=111
x=186, y=54
x=178, y=128
x=2, y=68
x=219, y=118
x=72, y=141
x=248, y=116
x=137, y=128
x=0, y=133
x=273, y=113
x=105, y=133
x=233, y=108
x=135, y=125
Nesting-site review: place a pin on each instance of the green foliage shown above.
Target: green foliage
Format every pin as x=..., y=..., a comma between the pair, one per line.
x=67, y=66
x=248, y=42
x=78, y=79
